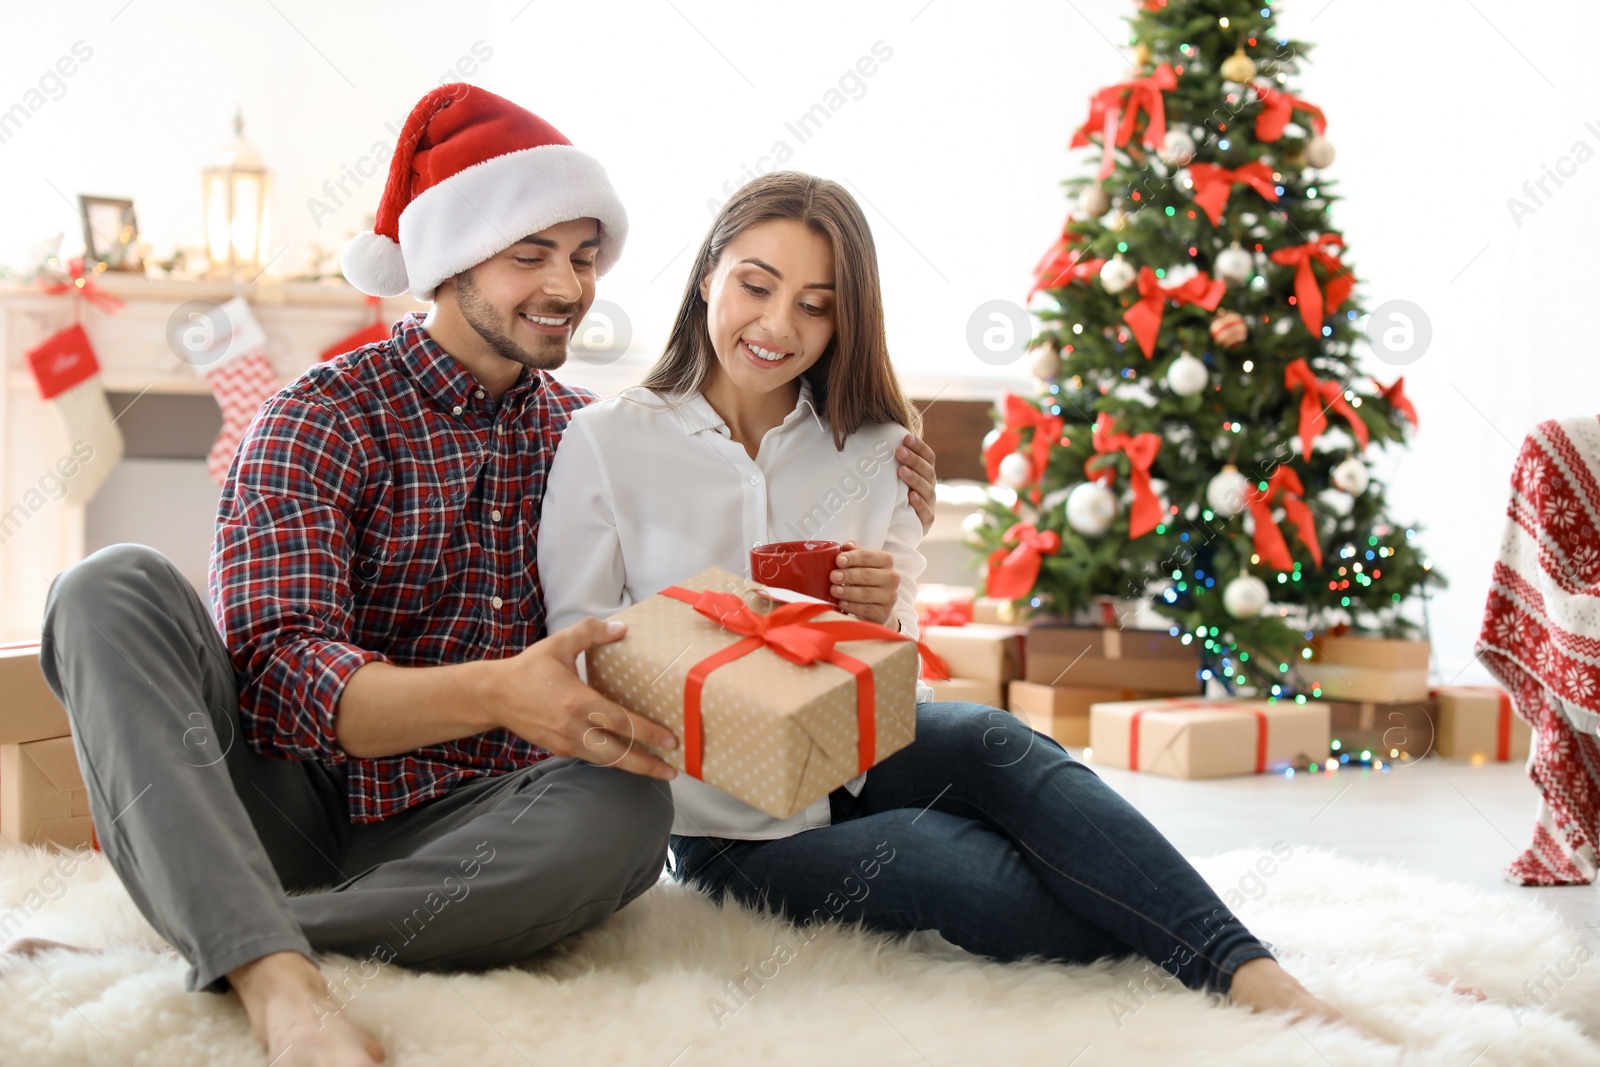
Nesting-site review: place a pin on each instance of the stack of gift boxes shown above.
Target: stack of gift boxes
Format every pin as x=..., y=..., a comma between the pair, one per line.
x=978, y=638
x=42, y=797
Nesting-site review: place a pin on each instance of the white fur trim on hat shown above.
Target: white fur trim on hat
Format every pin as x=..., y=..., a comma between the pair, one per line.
x=486, y=208
x=374, y=265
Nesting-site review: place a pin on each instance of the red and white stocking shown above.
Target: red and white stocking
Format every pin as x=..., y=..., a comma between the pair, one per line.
x=69, y=381
x=240, y=376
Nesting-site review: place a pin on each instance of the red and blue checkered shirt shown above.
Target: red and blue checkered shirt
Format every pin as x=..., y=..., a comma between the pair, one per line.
x=382, y=506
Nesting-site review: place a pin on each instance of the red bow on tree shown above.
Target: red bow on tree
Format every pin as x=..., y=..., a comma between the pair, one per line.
x=1320, y=395
x=1062, y=264
x=84, y=286
x=1021, y=415
x=1013, y=572
x=1277, y=107
x=1127, y=99
x=1141, y=451
x=1314, y=301
x=1285, y=490
x=1396, y=396
x=1213, y=184
x=1144, y=317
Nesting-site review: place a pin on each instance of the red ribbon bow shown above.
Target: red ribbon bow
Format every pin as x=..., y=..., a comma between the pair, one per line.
x=788, y=630
x=1127, y=99
x=1063, y=264
x=1396, y=396
x=1320, y=395
x=1213, y=184
x=1144, y=317
x=1021, y=415
x=1283, y=488
x=1277, y=107
x=1141, y=450
x=1198, y=705
x=1012, y=573
x=84, y=286
x=1316, y=302
x=953, y=613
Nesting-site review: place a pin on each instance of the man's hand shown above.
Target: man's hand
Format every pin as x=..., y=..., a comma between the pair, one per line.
x=916, y=470
x=865, y=584
x=541, y=699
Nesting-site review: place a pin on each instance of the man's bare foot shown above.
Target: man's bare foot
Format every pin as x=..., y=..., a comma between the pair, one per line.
x=29, y=947
x=1263, y=985
x=292, y=1014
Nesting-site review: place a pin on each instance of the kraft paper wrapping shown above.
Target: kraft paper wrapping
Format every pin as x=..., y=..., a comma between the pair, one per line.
x=777, y=735
x=1382, y=670
x=971, y=690
x=1470, y=724
x=1207, y=742
x=1062, y=711
x=982, y=651
x=42, y=797
x=1105, y=657
x=29, y=711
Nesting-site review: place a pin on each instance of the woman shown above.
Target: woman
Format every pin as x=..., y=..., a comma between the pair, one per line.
x=772, y=416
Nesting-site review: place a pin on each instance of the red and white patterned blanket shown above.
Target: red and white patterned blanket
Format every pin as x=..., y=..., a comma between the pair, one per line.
x=1541, y=640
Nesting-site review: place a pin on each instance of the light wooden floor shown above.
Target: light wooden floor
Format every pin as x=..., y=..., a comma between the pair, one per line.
x=1442, y=817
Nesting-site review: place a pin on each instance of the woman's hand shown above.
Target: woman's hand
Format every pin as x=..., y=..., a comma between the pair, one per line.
x=916, y=470
x=865, y=584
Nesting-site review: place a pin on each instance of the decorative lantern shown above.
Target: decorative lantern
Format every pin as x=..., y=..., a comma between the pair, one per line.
x=237, y=209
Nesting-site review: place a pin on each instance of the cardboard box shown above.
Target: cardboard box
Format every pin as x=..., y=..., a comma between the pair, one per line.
x=1207, y=738
x=1062, y=711
x=1382, y=670
x=1477, y=722
x=973, y=690
x=1151, y=661
x=980, y=651
x=29, y=711
x=773, y=733
x=42, y=796
x=1400, y=730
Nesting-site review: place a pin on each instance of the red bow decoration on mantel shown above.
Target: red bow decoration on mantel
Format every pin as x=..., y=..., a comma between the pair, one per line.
x=1064, y=264
x=1213, y=184
x=1285, y=490
x=1013, y=572
x=1144, y=317
x=1141, y=450
x=1119, y=105
x=1396, y=396
x=1021, y=415
x=1314, y=301
x=84, y=286
x=1277, y=107
x=1320, y=395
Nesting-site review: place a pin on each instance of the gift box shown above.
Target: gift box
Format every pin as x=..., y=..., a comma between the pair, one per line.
x=1399, y=730
x=1062, y=711
x=1207, y=738
x=981, y=651
x=1151, y=661
x=42, y=797
x=776, y=704
x=1477, y=722
x=30, y=711
x=973, y=690
x=1382, y=670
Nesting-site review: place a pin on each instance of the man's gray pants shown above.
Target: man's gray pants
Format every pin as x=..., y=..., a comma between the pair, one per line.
x=232, y=855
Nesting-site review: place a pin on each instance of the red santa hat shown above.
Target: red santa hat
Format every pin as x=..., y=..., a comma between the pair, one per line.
x=472, y=175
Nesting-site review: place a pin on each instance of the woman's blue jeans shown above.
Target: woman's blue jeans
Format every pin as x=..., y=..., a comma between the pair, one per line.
x=997, y=838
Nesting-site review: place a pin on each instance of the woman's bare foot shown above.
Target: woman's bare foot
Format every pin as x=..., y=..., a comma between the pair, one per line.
x=1263, y=985
x=292, y=1014
x=29, y=947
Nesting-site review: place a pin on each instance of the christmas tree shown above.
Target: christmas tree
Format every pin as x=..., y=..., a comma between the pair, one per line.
x=1200, y=434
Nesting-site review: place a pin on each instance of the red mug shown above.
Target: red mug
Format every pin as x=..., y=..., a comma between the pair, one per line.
x=803, y=566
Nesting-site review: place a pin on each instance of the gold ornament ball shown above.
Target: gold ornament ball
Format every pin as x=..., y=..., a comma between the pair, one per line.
x=1141, y=55
x=1006, y=612
x=1229, y=330
x=1238, y=67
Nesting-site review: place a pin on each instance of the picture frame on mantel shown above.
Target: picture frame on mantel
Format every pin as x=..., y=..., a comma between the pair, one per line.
x=110, y=233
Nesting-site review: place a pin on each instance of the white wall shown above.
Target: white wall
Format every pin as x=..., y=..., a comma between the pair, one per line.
x=1439, y=111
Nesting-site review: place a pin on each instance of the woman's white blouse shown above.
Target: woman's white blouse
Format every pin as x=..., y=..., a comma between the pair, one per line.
x=647, y=490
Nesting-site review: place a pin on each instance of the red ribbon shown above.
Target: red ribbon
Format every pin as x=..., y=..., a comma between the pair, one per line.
x=1021, y=415
x=1315, y=302
x=1190, y=705
x=1141, y=451
x=84, y=286
x=1396, y=396
x=1144, y=317
x=1277, y=107
x=1062, y=264
x=1012, y=572
x=789, y=631
x=1283, y=488
x=1213, y=184
x=1127, y=99
x=1320, y=395
x=954, y=613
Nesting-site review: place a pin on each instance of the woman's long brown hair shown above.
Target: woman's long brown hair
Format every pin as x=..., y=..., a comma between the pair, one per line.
x=853, y=384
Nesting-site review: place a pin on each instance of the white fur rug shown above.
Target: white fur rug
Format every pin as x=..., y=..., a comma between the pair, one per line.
x=652, y=987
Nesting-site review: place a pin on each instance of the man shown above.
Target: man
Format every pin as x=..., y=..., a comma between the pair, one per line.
x=372, y=728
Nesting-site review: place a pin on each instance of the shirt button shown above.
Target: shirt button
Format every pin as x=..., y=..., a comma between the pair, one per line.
x=755, y=479
x=500, y=429
x=456, y=410
x=478, y=394
x=495, y=515
x=496, y=601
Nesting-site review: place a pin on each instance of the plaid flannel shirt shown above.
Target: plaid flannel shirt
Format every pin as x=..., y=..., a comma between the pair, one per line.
x=382, y=506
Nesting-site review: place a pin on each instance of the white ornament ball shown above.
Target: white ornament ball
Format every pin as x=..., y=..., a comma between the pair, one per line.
x=1015, y=471
x=1319, y=152
x=1351, y=476
x=1047, y=363
x=1117, y=274
x=1094, y=202
x=1245, y=597
x=1178, y=149
x=1187, y=376
x=990, y=438
x=1234, y=264
x=1090, y=508
x=1228, y=492
x=972, y=525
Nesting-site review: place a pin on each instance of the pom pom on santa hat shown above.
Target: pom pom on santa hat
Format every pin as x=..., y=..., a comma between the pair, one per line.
x=474, y=173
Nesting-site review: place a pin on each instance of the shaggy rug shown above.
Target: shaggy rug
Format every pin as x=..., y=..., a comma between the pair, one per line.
x=675, y=981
